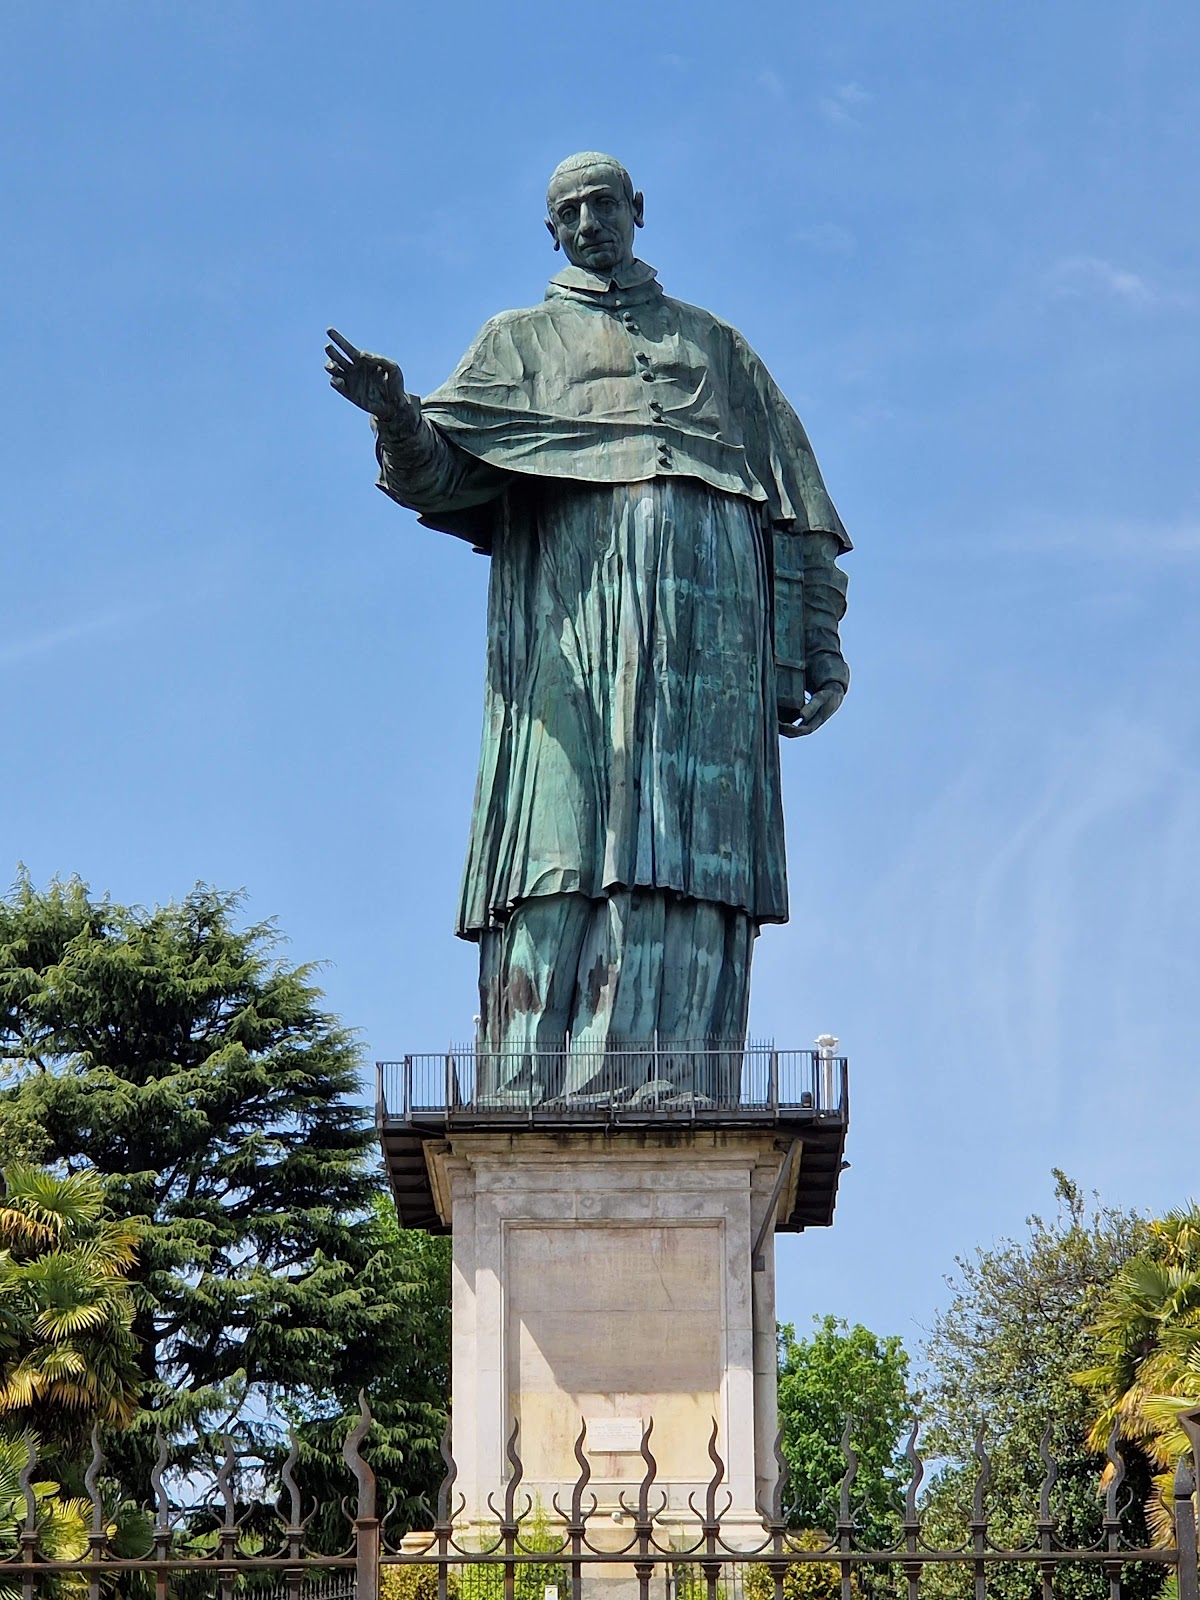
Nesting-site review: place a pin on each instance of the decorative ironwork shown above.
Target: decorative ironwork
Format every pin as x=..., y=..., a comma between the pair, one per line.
x=583, y=1538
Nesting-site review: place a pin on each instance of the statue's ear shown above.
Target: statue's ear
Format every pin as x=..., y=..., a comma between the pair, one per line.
x=553, y=232
x=639, y=209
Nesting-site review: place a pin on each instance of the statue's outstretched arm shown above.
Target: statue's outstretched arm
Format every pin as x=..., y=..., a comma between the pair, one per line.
x=418, y=465
x=422, y=469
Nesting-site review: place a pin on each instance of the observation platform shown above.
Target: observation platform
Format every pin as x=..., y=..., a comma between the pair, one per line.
x=800, y=1095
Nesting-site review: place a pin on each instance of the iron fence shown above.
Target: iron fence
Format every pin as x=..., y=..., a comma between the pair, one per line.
x=571, y=1548
x=572, y=1082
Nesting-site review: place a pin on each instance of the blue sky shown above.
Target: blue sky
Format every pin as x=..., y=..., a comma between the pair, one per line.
x=964, y=238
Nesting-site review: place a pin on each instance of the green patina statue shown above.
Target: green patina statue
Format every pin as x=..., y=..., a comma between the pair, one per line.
x=664, y=601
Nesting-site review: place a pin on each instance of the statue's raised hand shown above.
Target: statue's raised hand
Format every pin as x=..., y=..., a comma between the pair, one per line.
x=373, y=383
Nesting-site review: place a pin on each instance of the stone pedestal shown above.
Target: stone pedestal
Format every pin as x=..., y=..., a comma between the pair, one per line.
x=608, y=1277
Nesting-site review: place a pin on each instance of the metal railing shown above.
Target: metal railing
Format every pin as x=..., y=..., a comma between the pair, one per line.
x=628, y=1083
x=570, y=1544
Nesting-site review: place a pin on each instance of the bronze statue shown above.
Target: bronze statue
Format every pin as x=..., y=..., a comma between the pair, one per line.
x=664, y=601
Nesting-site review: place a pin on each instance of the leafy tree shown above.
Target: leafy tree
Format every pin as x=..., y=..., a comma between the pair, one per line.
x=843, y=1374
x=62, y=1524
x=1148, y=1342
x=68, y=1357
x=1003, y=1352
x=174, y=1052
x=405, y=1363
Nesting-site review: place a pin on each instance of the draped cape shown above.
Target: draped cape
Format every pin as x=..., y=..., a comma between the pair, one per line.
x=620, y=384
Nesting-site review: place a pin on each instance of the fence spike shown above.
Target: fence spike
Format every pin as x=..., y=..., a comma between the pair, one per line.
x=650, y=1474
x=288, y=1476
x=162, y=1504
x=1116, y=1462
x=848, y=1477
x=982, y=1479
x=1049, y=1476
x=446, y=1488
x=518, y=1472
x=584, y=1478
x=91, y=1481
x=225, y=1483
x=25, y=1483
x=782, y=1471
x=714, y=1455
x=353, y=1457
x=916, y=1471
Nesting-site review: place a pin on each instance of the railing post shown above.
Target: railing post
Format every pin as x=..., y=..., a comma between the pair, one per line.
x=576, y=1522
x=227, y=1572
x=845, y=1521
x=366, y=1523
x=1045, y=1522
x=1112, y=1564
x=366, y=1558
x=29, y=1527
x=1187, y=1480
x=162, y=1517
x=510, y=1522
x=824, y=1070
x=97, y=1537
x=979, y=1516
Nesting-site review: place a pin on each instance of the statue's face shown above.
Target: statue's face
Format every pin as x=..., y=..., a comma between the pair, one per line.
x=593, y=218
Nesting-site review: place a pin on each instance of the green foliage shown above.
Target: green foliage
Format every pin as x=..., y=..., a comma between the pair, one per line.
x=401, y=1347
x=1018, y=1326
x=803, y=1580
x=530, y=1579
x=62, y=1523
x=415, y=1582
x=176, y=1054
x=1147, y=1337
x=68, y=1357
x=843, y=1374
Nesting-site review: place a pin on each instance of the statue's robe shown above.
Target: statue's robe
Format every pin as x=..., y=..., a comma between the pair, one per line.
x=631, y=468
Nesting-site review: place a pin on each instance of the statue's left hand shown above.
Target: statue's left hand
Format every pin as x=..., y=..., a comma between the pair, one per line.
x=817, y=711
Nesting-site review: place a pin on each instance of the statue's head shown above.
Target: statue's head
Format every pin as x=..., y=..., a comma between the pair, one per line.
x=592, y=211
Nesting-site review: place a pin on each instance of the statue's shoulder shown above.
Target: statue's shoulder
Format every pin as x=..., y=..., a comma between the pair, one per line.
x=705, y=324
x=514, y=329
x=511, y=322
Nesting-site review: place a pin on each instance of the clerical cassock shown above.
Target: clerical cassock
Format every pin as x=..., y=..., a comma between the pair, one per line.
x=663, y=587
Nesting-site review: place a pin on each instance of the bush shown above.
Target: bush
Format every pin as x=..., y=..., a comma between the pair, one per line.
x=803, y=1580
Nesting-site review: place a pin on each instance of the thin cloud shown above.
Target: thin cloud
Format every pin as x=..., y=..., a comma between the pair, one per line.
x=1108, y=538
x=1028, y=877
x=51, y=640
x=1091, y=277
x=844, y=103
x=827, y=239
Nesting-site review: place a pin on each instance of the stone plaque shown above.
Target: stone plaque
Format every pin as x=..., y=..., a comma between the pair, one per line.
x=614, y=1434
